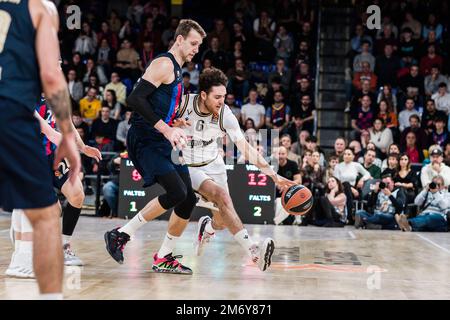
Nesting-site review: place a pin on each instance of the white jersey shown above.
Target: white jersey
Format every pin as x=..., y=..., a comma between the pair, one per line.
x=206, y=131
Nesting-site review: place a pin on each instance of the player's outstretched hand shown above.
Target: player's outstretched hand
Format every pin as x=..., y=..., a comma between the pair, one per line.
x=177, y=137
x=181, y=123
x=68, y=149
x=92, y=152
x=283, y=183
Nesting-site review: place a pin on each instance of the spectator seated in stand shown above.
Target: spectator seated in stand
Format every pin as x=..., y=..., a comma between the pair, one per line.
x=118, y=87
x=329, y=210
x=105, y=126
x=380, y=135
x=90, y=106
x=392, y=165
x=111, y=188
x=188, y=87
x=253, y=110
x=435, y=167
x=313, y=173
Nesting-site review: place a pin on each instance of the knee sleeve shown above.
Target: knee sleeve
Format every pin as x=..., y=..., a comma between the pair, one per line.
x=16, y=220
x=176, y=190
x=184, y=209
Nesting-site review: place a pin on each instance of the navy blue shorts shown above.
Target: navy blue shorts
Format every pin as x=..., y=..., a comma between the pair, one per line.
x=151, y=158
x=25, y=181
x=60, y=175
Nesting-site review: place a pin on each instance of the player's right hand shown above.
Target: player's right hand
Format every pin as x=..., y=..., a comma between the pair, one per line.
x=177, y=137
x=283, y=183
x=68, y=149
x=181, y=123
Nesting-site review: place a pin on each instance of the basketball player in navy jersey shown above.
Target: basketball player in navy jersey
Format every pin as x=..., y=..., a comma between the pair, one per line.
x=150, y=142
x=29, y=54
x=21, y=261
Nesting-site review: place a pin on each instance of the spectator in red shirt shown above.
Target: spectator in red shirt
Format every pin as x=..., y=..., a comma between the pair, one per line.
x=411, y=149
x=431, y=59
x=365, y=74
x=106, y=33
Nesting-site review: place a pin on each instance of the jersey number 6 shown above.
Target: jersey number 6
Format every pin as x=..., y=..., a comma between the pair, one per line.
x=199, y=126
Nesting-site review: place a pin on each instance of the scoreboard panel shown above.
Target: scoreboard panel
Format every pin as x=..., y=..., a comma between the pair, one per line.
x=252, y=192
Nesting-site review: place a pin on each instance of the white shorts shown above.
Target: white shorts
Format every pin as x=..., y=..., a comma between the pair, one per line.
x=214, y=171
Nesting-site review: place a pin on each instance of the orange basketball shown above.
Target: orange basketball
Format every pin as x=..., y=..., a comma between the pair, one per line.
x=297, y=200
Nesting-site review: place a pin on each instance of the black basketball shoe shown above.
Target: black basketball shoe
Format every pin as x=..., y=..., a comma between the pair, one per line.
x=115, y=243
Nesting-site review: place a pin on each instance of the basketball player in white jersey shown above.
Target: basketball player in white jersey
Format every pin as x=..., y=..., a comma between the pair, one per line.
x=21, y=265
x=206, y=120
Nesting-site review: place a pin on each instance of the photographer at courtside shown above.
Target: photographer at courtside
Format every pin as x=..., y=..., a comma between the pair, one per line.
x=384, y=202
x=433, y=203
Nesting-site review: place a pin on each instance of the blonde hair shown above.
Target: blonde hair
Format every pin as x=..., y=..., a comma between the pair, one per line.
x=186, y=25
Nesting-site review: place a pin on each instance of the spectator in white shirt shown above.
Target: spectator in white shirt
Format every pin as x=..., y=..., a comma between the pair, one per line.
x=253, y=110
x=403, y=117
x=75, y=86
x=122, y=129
x=118, y=87
x=348, y=170
x=442, y=98
x=364, y=56
x=380, y=135
x=193, y=71
x=435, y=168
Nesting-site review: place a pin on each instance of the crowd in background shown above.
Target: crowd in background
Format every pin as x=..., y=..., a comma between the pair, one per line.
x=397, y=87
x=392, y=170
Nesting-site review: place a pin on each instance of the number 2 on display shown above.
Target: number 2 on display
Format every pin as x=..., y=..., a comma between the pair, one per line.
x=257, y=211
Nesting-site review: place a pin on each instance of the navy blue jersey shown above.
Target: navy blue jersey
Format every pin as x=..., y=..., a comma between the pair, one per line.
x=46, y=113
x=19, y=71
x=164, y=101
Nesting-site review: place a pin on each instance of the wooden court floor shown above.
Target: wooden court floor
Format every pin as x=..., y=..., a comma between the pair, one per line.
x=309, y=263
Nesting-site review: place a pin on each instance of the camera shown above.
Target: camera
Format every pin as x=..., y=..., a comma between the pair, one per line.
x=433, y=185
x=382, y=185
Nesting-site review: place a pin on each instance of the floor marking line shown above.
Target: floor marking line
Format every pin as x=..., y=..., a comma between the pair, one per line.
x=352, y=235
x=433, y=243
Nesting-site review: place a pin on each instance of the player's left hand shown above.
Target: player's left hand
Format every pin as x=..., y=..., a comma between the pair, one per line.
x=92, y=152
x=181, y=123
x=283, y=183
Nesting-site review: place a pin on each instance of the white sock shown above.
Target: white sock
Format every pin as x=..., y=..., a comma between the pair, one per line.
x=245, y=241
x=131, y=227
x=51, y=296
x=66, y=239
x=209, y=228
x=26, y=247
x=280, y=213
x=168, y=245
x=17, y=244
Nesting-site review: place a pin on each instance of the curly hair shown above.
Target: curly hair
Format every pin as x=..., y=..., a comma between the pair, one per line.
x=211, y=77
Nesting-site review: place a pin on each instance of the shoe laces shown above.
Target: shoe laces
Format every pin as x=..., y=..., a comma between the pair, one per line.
x=121, y=241
x=173, y=260
x=68, y=250
x=254, y=250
